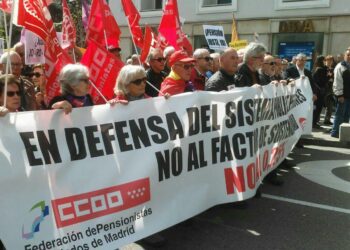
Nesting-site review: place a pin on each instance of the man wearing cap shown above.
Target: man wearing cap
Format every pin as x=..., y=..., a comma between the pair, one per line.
x=178, y=80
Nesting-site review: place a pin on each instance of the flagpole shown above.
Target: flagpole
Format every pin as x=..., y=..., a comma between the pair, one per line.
x=8, y=51
x=98, y=91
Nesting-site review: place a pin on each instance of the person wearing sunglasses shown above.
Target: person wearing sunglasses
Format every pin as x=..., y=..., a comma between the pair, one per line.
x=155, y=73
x=13, y=94
x=75, y=88
x=39, y=80
x=202, y=64
x=28, y=100
x=178, y=80
x=267, y=71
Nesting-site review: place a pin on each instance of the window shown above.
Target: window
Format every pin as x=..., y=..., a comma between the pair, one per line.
x=151, y=5
x=299, y=4
x=214, y=6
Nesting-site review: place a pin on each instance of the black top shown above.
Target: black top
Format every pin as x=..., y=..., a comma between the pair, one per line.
x=156, y=79
x=245, y=77
x=75, y=101
x=220, y=81
x=292, y=72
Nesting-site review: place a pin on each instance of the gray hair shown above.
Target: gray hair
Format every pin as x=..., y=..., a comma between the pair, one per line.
x=126, y=75
x=168, y=51
x=199, y=52
x=215, y=55
x=300, y=56
x=70, y=75
x=253, y=49
x=152, y=53
x=4, y=57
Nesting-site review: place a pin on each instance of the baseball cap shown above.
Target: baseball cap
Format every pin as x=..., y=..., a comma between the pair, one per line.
x=180, y=56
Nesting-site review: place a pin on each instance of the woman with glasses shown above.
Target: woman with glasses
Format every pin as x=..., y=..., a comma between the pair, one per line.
x=13, y=94
x=130, y=84
x=39, y=80
x=75, y=87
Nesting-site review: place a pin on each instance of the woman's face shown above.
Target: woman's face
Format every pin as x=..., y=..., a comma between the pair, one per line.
x=137, y=87
x=39, y=78
x=13, y=100
x=82, y=88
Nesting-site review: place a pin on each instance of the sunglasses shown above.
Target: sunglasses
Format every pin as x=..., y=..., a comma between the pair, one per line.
x=139, y=81
x=270, y=63
x=36, y=74
x=13, y=93
x=207, y=58
x=160, y=59
x=186, y=66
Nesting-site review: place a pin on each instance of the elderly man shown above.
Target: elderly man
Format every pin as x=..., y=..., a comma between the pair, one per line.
x=178, y=80
x=27, y=88
x=341, y=89
x=224, y=79
x=202, y=65
x=155, y=74
x=20, y=49
x=168, y=51
x=247, y=75
x=267, y=72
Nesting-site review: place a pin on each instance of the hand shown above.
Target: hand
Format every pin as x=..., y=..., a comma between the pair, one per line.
x=257, y=86
x=66, y=106
x=39, y=97
x=3, y=111
x=275, y=82
x=341, y=99
x=115, y=101
x=167, y=96
x=302, y=77
x=314, y=98
x=283, y=82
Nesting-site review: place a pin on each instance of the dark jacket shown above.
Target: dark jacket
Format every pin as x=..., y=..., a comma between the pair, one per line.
x=156, y=79
x=28, y=100
x=320, y=79
x=292, y=72
x=245, y=77
x=75, y=101
x=220, y=81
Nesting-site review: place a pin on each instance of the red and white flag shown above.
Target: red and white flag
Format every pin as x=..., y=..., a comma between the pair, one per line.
x=170, y=27
x=35, y=16
x=5, y=5
x=104, y=68
x=69, y=36
x=102, y=26
x=133, y=18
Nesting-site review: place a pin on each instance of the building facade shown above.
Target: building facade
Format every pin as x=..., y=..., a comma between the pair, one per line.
x=284, y=26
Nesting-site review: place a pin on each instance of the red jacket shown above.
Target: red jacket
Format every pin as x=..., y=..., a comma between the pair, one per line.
x=172, y=86
x=197, y=79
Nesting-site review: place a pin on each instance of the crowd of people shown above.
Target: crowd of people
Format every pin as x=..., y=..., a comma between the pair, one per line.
x=169, y=72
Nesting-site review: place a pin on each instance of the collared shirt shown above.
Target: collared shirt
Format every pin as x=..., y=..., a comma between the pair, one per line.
x=301, y=71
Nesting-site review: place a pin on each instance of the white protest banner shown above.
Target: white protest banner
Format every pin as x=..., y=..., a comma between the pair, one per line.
x=215, y=37
x=34, y=49
x=2, y=46
x=106, y=176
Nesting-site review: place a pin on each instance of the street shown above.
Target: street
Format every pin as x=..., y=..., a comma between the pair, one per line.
x=310, y=211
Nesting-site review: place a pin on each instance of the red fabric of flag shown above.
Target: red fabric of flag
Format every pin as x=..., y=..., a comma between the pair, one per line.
x=35, y=16
x=5, y=5
x=104, y=68
x=169, y=26
x=68, y=28
x=102, y=26
x=133, y=19
x=147, y=44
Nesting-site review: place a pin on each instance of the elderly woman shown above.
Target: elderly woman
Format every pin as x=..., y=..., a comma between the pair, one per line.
x=75, y=86
x=130, y=84
x=39, y=80
x=13, y=93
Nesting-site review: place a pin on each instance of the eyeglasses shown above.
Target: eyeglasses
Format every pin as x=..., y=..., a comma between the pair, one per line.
x=13, y=93
x=207, y=58
x=270, y=63
x=36, y=74
x=160, y=59
x=86, y=80
x=185, y=66
x=16, y=64
x=139, y=81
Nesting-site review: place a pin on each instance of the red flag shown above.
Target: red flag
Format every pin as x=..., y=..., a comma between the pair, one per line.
x=35, y=16
x=68, y=29
x=104, y=68
x=102, y=23
x=6, y=5
x=146, y=44
x=133, y=19
x=169, y=26
x=186, y=45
